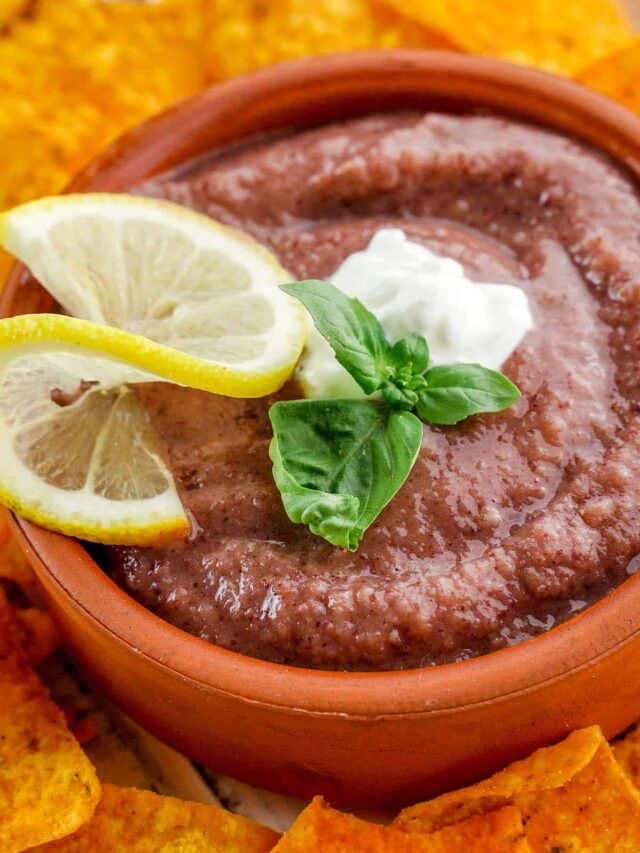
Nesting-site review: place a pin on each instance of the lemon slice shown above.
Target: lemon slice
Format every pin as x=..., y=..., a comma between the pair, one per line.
x=160, y=293
x=176, y=277
x=78, y=452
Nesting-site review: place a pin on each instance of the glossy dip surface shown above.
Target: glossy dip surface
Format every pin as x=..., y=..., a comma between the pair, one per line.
x=508, y=523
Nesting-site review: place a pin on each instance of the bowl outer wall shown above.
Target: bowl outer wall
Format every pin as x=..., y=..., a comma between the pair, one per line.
x=373, y=738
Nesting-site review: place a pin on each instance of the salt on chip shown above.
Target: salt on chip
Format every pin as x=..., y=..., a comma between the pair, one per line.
x=321, y=828
x=563, y=37
x=48, y=787
x=241, y=35
x=573, y=796
x=617, y=76
x=143, y=822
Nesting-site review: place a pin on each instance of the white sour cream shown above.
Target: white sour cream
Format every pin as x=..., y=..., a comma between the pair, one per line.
x=411, y=289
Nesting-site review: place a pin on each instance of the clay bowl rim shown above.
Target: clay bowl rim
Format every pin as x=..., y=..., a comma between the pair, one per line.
x=283, y=97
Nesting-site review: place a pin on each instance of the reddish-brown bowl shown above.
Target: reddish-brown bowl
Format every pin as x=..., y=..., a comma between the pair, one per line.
x=377, y=738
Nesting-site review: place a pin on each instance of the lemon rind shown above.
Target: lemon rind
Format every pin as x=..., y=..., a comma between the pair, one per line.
x=31, y=331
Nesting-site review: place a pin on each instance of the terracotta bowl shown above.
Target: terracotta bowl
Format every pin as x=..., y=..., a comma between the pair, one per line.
x=380, y=738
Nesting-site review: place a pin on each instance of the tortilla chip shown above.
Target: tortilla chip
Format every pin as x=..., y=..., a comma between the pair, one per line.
x=547, y=768
x=143, y=822
x=39, y=635
x=9, y=633
x=500, y=831
x=241, y=35
x=48, y=787
x=563, y=37
x=617, y=76
x=573, y=796
x=83, y=726
x=75, y=75
x=10, y=10
x=627, y=752
x=321, y=828
x=15, y=569
x=597, y=811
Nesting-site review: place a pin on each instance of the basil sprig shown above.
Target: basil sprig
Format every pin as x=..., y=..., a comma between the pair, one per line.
x=338, y=463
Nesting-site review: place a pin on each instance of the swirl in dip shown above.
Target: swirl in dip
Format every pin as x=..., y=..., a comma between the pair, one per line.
x=508, y=523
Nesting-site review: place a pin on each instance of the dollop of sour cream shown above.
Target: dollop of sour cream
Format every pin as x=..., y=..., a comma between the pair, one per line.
x=411, y=289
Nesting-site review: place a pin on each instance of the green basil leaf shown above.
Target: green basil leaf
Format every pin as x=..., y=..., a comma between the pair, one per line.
x=355, y=335
x=398, y=397
x=338, y=463
x=412, y=352
x=456, y=391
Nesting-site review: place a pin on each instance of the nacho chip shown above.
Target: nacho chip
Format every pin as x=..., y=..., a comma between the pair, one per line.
x=597, y=811
x=143, y=822
x=9, y=632
x=319, y=827
x=15, y=570
x=573, y=796
x=547, y=768
x=39, y=635
x=241, y=35
x=75, y=75
x=564, y=37
x=48, y=787
x=10, y=10
x=617, y=76
x=627, y=752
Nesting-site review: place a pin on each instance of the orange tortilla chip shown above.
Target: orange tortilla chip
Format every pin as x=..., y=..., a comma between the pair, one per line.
x=10, y=10
x=617, y=76
x=15, y=568
x=563, y=37
x=627, y=752
x=597, y=811
x=48, y=787
x=241, y=35
x=143, y=822
x=39, y=635
x=573, y=796
x=547, y=768
x=75, y=75
x=321, y=828
x=500, y=831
